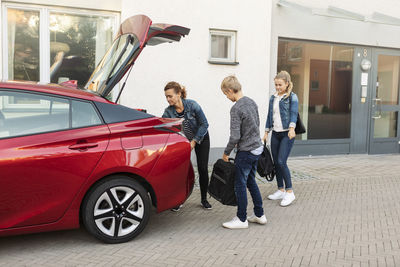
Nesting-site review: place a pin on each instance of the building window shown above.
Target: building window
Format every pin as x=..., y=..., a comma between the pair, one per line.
x=54, y=44
x=322, y=79
x=222, y=47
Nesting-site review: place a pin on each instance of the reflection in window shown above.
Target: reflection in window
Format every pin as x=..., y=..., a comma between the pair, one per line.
x=388, y=79
x=84, y=114
x=23, y=44
x=219, y=46
x=386, y=125
x=322, y=79
x=77, y=44
x=25, y=114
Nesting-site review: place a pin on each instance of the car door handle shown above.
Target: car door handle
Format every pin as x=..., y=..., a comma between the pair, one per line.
x=83, y=146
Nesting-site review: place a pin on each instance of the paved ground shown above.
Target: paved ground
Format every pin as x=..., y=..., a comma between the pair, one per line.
x=346, y=213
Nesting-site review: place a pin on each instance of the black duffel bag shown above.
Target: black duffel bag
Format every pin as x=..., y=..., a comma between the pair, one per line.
x=222, y=182
x=265, y=165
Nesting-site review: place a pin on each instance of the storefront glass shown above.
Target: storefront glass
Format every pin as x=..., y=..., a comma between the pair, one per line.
x=322, y=79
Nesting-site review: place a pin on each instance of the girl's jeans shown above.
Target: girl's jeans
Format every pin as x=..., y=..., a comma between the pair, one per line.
x=281, y=146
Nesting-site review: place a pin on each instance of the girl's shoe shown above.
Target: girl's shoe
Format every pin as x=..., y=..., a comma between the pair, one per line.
x=288, y=199
x=277, y=195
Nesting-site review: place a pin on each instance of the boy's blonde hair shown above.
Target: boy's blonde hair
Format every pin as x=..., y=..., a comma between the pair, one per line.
x=231, y=82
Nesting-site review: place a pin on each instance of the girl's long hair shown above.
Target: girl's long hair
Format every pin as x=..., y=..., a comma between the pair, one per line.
x=285, y=76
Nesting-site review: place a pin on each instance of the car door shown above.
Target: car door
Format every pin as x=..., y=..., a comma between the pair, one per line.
x=48, y=147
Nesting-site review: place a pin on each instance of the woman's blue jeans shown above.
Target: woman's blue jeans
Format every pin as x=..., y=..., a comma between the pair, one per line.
x=281, y=146
x=246, y=166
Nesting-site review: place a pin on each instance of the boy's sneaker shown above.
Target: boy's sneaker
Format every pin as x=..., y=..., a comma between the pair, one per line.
x=236, y=223
x=277, y=195
x=177, y=208
x=288, y=199
x=259, y=220
x=206, y=205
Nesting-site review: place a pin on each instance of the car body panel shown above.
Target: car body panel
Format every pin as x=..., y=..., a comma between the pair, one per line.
x=40, y=174
x=52, y=89
x=171, y=189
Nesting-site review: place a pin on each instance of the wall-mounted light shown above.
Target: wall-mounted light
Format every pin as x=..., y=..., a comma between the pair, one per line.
x=365, y=64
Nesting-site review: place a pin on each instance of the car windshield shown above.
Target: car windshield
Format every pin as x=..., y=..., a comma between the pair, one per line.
x=115, y=59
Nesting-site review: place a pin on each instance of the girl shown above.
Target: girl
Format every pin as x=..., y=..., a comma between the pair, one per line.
x=282, y=117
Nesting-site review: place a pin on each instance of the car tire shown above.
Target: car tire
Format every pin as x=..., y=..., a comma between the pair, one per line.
x=116, y=210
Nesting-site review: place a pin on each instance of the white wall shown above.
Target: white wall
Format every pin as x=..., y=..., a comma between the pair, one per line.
x=186, y=61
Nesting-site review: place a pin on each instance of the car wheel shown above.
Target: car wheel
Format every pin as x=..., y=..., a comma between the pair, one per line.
x=116, y=210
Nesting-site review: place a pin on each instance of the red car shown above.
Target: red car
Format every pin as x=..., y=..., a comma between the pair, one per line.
x=69, y=155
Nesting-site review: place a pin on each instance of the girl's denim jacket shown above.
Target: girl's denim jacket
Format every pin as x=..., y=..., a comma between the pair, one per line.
x=194, y=115
x=288, y=117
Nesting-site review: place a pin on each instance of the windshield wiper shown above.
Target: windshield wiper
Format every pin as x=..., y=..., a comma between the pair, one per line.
x=128, y=40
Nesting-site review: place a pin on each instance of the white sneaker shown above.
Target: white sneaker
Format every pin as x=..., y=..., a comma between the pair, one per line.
x=277, y=195
x=259, y=220
x=236, y=223
x=288, y=199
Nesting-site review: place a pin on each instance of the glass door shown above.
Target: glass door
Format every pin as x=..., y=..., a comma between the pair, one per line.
x=385, y=108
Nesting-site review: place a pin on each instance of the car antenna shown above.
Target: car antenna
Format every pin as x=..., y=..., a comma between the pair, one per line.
x=123, y=85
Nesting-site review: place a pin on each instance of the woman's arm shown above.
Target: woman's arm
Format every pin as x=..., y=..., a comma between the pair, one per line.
x=201, y=121
x=167, y=114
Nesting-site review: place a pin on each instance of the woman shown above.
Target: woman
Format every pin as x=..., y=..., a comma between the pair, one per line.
x=282, y=117
x=195, y=127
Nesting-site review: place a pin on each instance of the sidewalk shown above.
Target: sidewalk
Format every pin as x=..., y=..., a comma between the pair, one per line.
x=346, y=213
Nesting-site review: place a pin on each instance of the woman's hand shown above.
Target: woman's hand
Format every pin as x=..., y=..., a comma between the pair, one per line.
x=192, y=144
x=291, y=133
x=265, y=137
x=225, y=157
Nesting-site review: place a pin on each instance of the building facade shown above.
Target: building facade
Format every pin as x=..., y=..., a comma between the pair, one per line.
x=344, y=58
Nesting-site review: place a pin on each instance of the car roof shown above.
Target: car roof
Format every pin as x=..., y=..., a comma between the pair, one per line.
x=54, y=89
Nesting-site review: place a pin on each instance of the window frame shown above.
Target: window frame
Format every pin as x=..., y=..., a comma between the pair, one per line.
x=232, y=51
x=44, y=32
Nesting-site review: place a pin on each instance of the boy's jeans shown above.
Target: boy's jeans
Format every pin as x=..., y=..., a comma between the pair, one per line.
x=246, y=165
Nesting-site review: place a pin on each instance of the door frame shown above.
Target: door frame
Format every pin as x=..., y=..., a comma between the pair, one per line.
x=389, y=144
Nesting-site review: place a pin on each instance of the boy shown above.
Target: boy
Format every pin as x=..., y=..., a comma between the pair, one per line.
x=245, y=135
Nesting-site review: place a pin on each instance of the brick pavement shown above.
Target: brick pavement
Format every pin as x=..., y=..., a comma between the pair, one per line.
x=346, y=213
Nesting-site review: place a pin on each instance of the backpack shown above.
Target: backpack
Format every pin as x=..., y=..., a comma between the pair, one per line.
x=222, y=182
x=265, y=165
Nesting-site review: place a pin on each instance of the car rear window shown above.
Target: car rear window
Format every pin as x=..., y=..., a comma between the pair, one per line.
x=113, y=113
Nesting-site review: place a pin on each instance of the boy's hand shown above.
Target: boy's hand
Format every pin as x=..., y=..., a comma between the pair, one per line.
x=225, y=157
x=265, y=137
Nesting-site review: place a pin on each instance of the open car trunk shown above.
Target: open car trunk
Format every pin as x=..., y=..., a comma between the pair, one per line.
x=133, y=35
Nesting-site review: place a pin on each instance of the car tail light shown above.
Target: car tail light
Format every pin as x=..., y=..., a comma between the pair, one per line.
x=172, y=127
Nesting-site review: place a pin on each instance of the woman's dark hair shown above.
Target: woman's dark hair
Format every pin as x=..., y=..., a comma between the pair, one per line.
x=177, y=88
